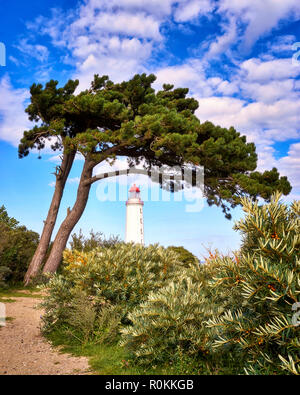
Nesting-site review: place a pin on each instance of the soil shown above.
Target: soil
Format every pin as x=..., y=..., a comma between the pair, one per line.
x=23, y=349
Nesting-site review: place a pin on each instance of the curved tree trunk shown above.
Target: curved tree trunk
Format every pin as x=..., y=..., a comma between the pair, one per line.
x=71, y=220
x=41, y=251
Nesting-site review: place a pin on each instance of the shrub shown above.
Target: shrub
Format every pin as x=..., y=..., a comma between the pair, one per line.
x=17, y=246
x=266, y=278
x=169, y=328
x=185, y=256
x=170, y=321
x=119, y=278
x=96, y=239
x=121, y=275
x=4, y=274
x=237, y=309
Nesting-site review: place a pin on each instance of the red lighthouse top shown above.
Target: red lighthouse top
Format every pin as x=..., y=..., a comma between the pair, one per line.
x=134, y=188
x=134, y=195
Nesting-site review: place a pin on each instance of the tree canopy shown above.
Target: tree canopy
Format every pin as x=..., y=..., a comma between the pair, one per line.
x=157, y=128
x=161, y=128
x=131, y=119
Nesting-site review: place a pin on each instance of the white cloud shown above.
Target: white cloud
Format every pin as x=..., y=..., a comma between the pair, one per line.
x=261, y=122
x=260, y=17
x=219, y=110
x=271, y=91
x=190, y=74
x=74, y=180
x=188, y=10
x=13, y=120
x=114, y=38
x=156, y=7
x=223, y=43
x=138, y=25
x=282, y=44
x=276, y=69
x=14, y=60
x=40, y=52
x=288, y=165
x=227, y=88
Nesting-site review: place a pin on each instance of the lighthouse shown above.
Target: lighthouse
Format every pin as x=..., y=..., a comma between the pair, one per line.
x=134, y=217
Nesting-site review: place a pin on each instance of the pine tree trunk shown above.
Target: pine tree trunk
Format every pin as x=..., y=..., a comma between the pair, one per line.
x=41, y=251
x=70, y=221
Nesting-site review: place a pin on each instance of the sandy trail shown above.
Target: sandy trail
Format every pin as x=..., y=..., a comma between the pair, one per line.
x=23, y=350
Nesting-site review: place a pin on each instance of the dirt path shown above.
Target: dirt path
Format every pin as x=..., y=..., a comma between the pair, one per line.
x=23, y=350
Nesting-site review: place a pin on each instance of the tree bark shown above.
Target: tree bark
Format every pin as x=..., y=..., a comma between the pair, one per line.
x=41, y=251
x=71, y=219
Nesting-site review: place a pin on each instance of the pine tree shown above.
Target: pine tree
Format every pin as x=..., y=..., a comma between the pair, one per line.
x=131, y=120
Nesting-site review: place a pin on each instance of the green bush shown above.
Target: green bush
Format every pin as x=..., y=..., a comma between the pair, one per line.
x=266, y=278
x=96, y=239
x=185, y=256
x=170, y=321
x=169, y=328
x=237, y=309
x=4, y=274
x=17, y=246
x=120, y=277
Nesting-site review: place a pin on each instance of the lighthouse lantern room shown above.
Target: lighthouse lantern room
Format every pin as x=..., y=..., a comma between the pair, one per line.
x=134, y=217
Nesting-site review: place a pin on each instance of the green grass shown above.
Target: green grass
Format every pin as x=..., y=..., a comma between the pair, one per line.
x=5, y=300
x=6, y=295
x=112, y=359
x=104, y=359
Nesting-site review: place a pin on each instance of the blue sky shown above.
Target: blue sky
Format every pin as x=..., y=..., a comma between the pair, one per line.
x=236, y=56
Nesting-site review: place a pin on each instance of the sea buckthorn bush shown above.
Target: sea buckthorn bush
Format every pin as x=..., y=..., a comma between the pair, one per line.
x=234, y=312
x=116, y=277
x=266, y=275
x=169, y=328
x=170, y=320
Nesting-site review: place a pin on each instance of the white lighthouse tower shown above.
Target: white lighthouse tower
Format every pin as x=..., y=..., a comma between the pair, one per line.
x=134, y=217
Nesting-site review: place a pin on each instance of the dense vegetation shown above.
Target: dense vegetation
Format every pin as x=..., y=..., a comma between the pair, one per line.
x=17, y=246
x=79, y=242
x=231, y=315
